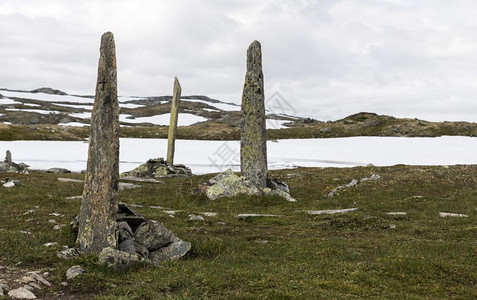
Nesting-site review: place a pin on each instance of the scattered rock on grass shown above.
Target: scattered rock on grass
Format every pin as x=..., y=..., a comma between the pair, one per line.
x=446, y=214
x=193, y=217
x=74, y=271
x=352, y=183
x=21, y=293
x=3, y=288
x=331, y=211
x=68, y=253
x=70, y=180
x=127, y=186
x=9, y=184
x=397, y=213
x=209, y=214
x=58, y=171
x=246, y=216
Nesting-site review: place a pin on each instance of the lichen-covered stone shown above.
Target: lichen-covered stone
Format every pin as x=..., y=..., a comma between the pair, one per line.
x=118, y=260
x=97, y=223
x=253, y=137
x=227, y=184
x=128, y=246
x=124, y=231
x=74, y=271
x=171, y=138
x=177, y=249
x=276, y=184
x=132, y=247
x=153, y=235
x=21, y=293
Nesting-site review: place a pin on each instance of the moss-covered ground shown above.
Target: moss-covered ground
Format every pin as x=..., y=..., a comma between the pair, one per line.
x=365, y=254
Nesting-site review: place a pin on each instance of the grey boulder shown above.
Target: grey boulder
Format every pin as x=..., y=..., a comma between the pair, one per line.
x=153, y=235
x=175, y=250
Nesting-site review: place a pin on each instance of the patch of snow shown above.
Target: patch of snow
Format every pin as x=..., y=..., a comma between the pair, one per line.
x=82, y=115
x=129, y=98
x=74, y=124
x=130, y=105
x=216, y=156
x=46, y=97
x=7, y=123
x=211, y=109
x=6, y=101
x=31, y=104
x=89, y=107
x=184, y=119
x=276, y=124
x=222, y=106
x=38, y=111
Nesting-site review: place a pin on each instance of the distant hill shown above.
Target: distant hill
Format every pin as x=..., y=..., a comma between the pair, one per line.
x=52, y=114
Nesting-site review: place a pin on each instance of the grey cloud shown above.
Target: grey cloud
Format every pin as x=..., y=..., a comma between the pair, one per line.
x=329, y=58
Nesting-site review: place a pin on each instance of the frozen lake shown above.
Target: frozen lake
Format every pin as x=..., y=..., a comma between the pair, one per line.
x=214, y=156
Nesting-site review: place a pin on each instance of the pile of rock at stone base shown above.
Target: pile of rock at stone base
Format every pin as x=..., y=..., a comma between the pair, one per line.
x=140, y=240
x=8, y=166
x=157, y=167
x=227, y=184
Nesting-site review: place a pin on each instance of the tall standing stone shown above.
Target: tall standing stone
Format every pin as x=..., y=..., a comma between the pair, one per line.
x=97, y=224
x=176, y=98
x=253, y=138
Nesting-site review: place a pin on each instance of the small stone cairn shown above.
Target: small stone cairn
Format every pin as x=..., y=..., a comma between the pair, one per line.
x=8, y=166
x=157, y=168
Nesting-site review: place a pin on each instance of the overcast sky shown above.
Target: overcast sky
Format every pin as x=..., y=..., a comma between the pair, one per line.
x=328, y=59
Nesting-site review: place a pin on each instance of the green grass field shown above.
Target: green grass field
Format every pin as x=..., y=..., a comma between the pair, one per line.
x=365, y=254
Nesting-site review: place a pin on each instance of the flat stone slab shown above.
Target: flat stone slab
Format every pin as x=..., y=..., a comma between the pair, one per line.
x=245, y=216
x=139, y=179
x=331, y=211
x=126, y=186
x=21, y=293
x=177, y=249
x=209, y=214
x=446, y=214
x=58, y=170
x=69, y=180
x=397, y=213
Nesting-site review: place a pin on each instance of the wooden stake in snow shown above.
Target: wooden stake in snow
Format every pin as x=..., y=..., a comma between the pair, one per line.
x=171, y=138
